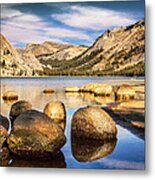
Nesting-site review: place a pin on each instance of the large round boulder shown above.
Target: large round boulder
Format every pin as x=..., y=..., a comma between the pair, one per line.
x=34, y=135
x=125, y=92
x=93, y=123
x=10, y=95
x=4, y=122
x=56, y=111
x=19, y=107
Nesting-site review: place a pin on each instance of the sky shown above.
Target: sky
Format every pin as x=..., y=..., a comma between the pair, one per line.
x=74, y=23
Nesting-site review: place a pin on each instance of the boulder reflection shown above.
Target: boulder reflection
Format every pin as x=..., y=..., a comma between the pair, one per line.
x=90, y=150
x=57, y=161
x=101, y=100
x=9, y=102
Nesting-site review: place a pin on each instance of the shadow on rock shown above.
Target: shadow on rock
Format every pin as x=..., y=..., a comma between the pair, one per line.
x=91, y=150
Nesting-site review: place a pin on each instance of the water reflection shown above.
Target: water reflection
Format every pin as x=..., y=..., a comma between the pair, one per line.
x=130, y=148
x=89, y=150
x=57, y=161
x=4, y=156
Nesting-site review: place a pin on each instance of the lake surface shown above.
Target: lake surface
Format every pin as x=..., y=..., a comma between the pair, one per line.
x=128, y=152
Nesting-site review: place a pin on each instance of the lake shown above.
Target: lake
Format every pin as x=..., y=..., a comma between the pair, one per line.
x=128, y=152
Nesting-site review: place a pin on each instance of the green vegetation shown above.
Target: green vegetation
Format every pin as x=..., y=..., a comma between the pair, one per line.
x=137, y=70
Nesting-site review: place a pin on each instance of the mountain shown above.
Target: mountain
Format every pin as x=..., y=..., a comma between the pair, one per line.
x=13, y=64
x=54, y=51
x=119, y=51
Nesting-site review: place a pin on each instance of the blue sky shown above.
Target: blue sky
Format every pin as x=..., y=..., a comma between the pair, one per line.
x=76, y=23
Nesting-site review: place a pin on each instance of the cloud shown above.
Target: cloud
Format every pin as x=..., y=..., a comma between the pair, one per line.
x=8, y=12
x=93, y=18
x=18, y=35
x=61, y=32
x=21, y=27
x=119, y=164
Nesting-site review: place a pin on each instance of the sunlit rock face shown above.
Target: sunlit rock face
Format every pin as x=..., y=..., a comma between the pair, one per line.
x=91, y=150
x=89, y=87
x=19, y=107
x=125, y=92
x=14, y=63
x=93, y=123
x=57, y=112
x=103, y=90
x=35, y=135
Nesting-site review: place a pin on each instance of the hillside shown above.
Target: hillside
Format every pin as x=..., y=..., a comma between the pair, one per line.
x=50, y=51
x=119, y=51
x=13, y=64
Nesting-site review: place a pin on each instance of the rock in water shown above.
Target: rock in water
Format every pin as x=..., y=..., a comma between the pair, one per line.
x=10, y=95
x=72, y=89
x=48, y=91
x=19, y=107
x=103, y=89
x=125, y=92
x=93, y=123
x=56, y=111
x=88, y=87
x=34, y=135
x=4, y=122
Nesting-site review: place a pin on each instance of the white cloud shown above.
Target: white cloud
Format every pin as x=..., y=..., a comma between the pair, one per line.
x=61, y=32
x=120, y=164
x=21, y=27
x=7, y=12
x=93, y=18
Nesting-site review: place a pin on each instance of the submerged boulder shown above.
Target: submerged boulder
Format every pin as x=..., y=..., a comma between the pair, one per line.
x=125, y=92
x=57, y=112
x=34, y=135
x=19, y=107
x=10, y=95
x=93, y=123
